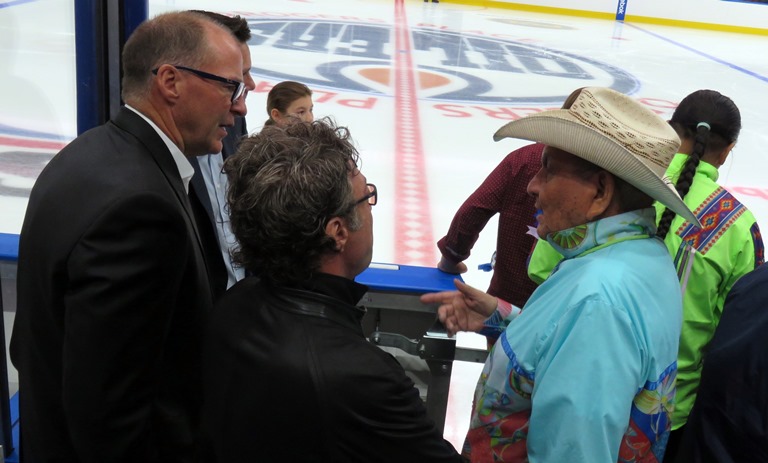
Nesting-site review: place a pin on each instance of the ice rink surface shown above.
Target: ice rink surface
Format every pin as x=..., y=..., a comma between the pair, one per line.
x=421, y=86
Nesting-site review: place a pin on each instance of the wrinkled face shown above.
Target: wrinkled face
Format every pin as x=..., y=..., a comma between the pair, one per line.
x=564, y=189
x=204, y=108
x=359, y=249
x=301, y=108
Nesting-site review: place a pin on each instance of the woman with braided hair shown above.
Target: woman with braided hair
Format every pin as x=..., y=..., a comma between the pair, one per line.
x=710, y=259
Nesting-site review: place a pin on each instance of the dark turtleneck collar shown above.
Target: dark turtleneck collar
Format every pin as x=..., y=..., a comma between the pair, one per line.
x=334, y=286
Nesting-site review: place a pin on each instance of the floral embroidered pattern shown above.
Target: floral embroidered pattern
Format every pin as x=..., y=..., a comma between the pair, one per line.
x=549, y=333
x=650, y=419
x=570, y=238
x=582, y=238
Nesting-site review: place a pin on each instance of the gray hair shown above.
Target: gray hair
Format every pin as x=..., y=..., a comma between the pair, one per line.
x=285, y=184
x=237, y=24
x=171, y=38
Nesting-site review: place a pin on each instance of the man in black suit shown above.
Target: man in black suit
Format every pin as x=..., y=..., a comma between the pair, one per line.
x=112, y=281
x=208, y=191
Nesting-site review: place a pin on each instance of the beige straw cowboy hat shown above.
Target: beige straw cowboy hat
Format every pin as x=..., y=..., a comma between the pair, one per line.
x=613, y=131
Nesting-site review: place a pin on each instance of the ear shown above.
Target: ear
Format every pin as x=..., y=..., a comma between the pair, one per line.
x=274, y=113
x=605, y=188
x=168, y=82
x=336, y=228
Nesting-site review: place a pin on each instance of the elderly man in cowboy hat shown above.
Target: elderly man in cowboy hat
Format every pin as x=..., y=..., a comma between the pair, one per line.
x=585, y=372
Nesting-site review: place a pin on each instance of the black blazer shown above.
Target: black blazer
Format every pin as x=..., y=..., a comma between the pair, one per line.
x=112, y=289
x=206, y=221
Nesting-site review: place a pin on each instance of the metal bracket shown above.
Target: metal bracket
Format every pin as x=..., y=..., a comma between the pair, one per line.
x=398, y=341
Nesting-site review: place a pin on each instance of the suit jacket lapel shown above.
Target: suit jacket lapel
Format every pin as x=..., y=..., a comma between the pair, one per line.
x=134, y=124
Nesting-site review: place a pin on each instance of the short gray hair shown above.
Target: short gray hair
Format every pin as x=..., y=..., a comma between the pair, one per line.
x=171, y=38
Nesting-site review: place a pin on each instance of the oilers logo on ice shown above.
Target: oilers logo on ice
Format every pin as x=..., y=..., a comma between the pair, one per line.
x=452, y=67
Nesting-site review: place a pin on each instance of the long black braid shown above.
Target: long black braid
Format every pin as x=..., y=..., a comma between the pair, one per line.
x=713, y=121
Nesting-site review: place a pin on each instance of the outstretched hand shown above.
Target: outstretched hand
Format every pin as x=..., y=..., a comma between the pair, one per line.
x=462, y=310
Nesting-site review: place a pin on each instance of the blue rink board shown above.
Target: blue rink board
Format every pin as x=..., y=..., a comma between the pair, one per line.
x=9, y=247
x=406, y=278
x=14, y=403
x=9, y=251
x=382, y=277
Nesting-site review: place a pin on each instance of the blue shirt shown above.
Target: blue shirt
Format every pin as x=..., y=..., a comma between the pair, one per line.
x=586, y=372
x=211, y=167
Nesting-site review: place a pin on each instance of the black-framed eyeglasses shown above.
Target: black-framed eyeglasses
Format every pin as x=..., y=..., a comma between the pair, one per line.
x=372, y=197
x=238, y=87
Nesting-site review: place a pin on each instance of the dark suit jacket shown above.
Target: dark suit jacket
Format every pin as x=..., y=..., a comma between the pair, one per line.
x=206, y=221
x=112, y=289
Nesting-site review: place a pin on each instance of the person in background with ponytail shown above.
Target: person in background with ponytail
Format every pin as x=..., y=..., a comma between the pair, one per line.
x=289, y=101
x=709, y=260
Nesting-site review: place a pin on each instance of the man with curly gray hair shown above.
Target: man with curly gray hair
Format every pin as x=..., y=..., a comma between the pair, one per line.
x=289, y=374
